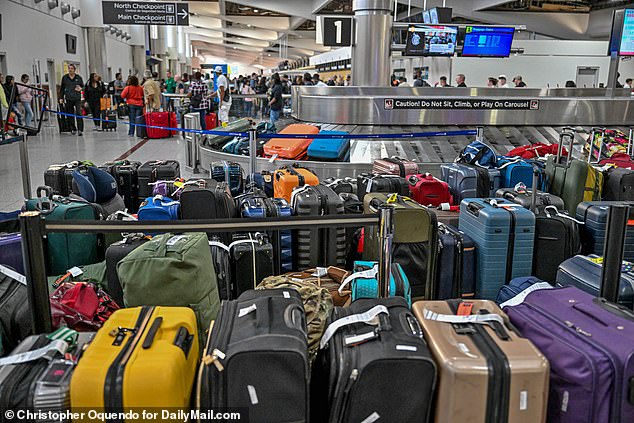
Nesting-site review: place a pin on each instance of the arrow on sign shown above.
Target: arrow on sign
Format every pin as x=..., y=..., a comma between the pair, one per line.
x=183, y=14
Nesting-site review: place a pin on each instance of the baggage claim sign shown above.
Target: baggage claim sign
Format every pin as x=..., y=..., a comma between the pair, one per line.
x=460, y=104
x=145, y=13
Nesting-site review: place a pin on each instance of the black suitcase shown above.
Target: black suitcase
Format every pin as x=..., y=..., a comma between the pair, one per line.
x=221, y=257
x=206, y=203
x=456, y=264
x=114, y=254
x=141, y=130
x=318, y=247
x=54, y=177
x=256, y=358
x=342, y=185
x=15, y=315
x=619, y=185
x=382, y=372
x=543, y=199
x=126, y=173
x=156, y=170
x=65, y=123
x=109, y=120
x=251, y=261
x=388, y=184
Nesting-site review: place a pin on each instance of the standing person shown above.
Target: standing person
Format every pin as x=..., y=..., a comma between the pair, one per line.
x=224, y=96
x=152, y=92
x=402, y=82
x=8, y=90
x=492, y=82
x=348, y=81
x=260, y=89
x=275, y=99
x=502, y=82
x=25, y=95
x=199, y=97
x=286, y=85
x=133, y=96
x=460, y=81
x=308, y=80
x=119, y=86
x=628, y=83
x=519, y=83
x=443, y=82
x=170, y=88
x=317, y=81
x=180, y=86
x=248, y=101
x=418, y=79
x=93, y=92
x=70, y=93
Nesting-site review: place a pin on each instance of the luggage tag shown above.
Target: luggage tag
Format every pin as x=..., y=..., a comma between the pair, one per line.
x=369, y=317
x=44, y=352
x=13, y=274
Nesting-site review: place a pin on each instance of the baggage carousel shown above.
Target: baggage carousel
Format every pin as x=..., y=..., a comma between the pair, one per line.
x=429, y=153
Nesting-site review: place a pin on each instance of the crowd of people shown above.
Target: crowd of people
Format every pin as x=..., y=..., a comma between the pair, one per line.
x=460, y=80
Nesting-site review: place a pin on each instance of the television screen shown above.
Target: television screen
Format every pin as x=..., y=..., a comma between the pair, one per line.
x=431, y=40
x=433, y=13
x=616, y=33
x=627, y=36
x=426, y=17
x=482, y=41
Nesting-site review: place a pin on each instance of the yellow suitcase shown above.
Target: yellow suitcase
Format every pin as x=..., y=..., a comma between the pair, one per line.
x=142, y=358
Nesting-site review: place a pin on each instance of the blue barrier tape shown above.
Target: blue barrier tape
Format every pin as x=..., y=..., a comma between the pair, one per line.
x=467, y=132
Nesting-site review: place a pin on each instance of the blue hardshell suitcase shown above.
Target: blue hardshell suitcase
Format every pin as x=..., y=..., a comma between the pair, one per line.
x=229, y=172
x=364, y=282
x=515, y=287
x=595, y=216
x=504, y=235
x=470, y=181
x=329, y=149
x=456, y=264
x=515, y=171
x=256, y=205
x=584, y=272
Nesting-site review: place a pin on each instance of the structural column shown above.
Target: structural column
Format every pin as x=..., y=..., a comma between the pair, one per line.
x=371, y=51
x=97, y=60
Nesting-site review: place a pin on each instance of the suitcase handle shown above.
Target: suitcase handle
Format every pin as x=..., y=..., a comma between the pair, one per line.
x=593, y=135
x=149, y=338
x=295, y=317
x=566, y=132
x=48, y=190
x=474, y=208
x=613, y=308
x=183, y=340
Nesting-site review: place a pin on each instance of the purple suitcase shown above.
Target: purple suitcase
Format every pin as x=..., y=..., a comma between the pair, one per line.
x=11, y=252
x=589, y=343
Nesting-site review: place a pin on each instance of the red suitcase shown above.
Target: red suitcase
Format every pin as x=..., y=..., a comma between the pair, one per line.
x=394, y=166
x=429, y=191
x=211, y=121
x=162, y=119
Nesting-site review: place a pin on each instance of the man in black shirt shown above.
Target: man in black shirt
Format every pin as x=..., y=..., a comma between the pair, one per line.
x=70, y=92
x=460, y=81
x=275, y=99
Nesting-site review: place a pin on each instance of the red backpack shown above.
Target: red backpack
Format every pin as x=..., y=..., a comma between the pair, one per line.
x=536, y=150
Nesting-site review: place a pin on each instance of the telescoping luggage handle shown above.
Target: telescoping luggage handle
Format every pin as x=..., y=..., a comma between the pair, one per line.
x=566, y=133
x=593, y=135
x=613, y=251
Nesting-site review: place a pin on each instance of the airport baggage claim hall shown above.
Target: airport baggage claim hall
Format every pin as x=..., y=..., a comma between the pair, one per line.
x=283, y=211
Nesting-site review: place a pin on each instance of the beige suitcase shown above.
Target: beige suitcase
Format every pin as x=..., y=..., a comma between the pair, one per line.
x=487, y=372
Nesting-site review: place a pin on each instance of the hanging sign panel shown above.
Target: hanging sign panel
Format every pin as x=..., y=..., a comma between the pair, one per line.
x=145, y=13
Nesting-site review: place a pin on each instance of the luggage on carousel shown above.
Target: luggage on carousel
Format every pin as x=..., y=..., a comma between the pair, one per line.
x=291, y=148
x=584, y=272
x=388, y=184
x=395, y=166
x=428, y=190
x=415, y=242
x=470, y=181
x=221, y=257
x=503, y=233
x=256, y=357
x=515, y=170
x=126, y=173
x=60, y=177
x=114, y=254
x=213, y=201
x=157, y=121
x=321, y=247
x=251, y=261
x=262, y=180
x=156, y=170
x=15, y=314
x=334, y=149
x=346, y=185
x=360, y=367
x=286, y=179
x=159, y=208
x=594, y=215
x=456, y=264
x=363, y=282
x=619, y=184
x=524, y=199
x=121, y=362
x=229, y=172
x=487, y=372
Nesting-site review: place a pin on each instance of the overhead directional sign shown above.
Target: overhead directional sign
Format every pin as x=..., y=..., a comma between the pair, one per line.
x=145, y=13
x=337, y=31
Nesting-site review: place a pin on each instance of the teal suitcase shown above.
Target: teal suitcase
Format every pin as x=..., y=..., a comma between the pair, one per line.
x=66, y=250
x=364, y=283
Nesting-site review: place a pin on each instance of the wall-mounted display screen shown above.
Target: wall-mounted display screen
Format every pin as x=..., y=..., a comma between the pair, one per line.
x=426, y=17
x=483, y=41
x=627, y=37
x=431, y=40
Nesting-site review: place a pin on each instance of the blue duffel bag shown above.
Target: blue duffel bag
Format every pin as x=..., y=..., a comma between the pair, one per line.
x=159, y=208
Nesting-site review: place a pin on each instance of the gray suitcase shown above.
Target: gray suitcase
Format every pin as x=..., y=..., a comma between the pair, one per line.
x=470, y=181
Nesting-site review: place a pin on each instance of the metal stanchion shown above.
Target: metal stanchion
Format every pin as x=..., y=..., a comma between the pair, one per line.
x=32, y=229
x=24, y=165
x=480, y=133
x=386, y=233
x=253, y=153
x=613, y=252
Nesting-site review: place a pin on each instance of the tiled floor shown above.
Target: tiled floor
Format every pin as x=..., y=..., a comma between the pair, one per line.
x=51, y=147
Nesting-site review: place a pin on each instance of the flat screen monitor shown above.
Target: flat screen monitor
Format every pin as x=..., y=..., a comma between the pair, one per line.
x=627, y=36
x=433, y=13
x=431, y=40
x=482, y=41
x=426, y=17
x=616, y=33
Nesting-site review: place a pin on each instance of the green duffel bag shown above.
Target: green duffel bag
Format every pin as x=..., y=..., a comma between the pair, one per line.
x=415, y=241
x=172, y=270
x=65, y=250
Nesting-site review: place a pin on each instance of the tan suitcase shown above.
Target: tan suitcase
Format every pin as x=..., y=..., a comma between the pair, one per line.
x=487, y=372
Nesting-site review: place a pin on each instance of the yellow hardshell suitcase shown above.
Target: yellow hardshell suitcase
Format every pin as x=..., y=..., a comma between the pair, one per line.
x=142, y=358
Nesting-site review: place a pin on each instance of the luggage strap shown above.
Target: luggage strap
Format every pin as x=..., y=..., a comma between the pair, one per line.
x=519, y=298
x=369, y=317
x=366, y=274
x=161, y=198
x=13, y=274
x=472, y=318
x=44, y=352
x=558, y=213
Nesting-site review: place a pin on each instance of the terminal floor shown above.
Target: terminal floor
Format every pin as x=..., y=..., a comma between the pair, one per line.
x=99, y=147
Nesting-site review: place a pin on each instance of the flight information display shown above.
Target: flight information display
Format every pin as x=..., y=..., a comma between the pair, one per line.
x=627, y=37
x=483, y=41
x=431, y=40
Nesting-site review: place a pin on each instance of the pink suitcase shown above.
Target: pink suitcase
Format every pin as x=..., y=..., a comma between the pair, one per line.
x=394, y=166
